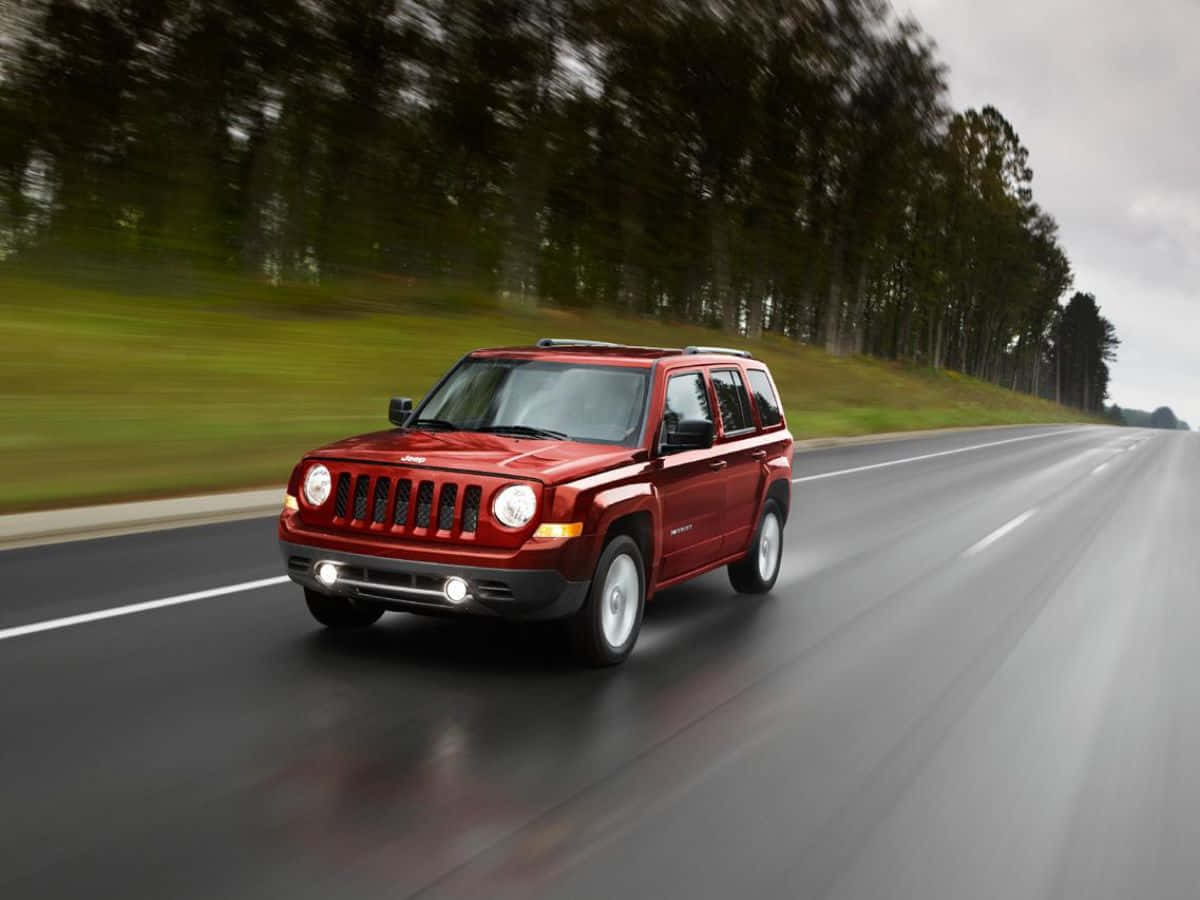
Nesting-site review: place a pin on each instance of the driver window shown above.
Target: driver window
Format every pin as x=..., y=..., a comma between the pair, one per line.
x=687, y=398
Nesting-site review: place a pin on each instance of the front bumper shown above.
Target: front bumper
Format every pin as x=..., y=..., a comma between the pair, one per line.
x=412, y=586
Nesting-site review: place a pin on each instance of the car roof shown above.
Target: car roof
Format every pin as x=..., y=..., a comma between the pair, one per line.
x=616, y=354
x=640, y=355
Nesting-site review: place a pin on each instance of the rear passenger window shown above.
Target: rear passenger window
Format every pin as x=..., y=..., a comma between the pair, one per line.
x=687, y=398
x=732, y=399
x=764, y=398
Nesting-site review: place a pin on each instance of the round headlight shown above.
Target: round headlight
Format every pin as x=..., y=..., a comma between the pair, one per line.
x=317, y=484
x=515, y=505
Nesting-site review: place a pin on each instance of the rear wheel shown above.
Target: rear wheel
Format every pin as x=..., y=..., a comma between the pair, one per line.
x=337, y=612
x=606, y=628
x=755, y=573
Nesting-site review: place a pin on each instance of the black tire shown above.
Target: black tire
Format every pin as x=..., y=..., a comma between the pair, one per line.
x=337, y=612
x=588, y=636
x=746, y=574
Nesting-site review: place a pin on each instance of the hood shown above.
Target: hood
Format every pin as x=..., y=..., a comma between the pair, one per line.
x=547, y=461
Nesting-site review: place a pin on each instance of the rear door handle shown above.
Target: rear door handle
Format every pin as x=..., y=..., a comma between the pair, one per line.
x=717, y=464
x=759, y=454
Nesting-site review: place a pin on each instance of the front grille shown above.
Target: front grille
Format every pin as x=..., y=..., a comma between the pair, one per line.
x=379, y=510
x=470, y=513
x=424, y=503
x=368, y=501
x=446, y=507
x=343, y=494
x=360, y=496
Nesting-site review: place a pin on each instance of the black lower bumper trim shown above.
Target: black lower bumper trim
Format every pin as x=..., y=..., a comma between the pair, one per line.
x=410, y=585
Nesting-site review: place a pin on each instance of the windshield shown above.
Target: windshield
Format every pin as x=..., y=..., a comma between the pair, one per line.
x=532, y=398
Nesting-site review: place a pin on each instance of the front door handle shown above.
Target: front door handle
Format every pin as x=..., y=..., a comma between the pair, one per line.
x=759, y=454
x=717, y=464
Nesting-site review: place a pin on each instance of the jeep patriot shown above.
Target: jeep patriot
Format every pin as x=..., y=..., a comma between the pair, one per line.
x=570, y=480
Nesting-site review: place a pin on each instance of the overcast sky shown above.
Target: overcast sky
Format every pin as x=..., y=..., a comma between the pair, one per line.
x=1106, y=96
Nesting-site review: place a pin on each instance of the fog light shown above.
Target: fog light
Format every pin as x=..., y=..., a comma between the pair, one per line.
x=327, y=574
x=455, y=590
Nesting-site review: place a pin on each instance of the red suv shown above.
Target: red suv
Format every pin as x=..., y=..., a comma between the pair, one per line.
x=568, y=480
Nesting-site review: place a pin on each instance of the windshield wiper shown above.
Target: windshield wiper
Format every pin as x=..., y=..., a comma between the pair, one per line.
x=443, y=424
x=526, y=431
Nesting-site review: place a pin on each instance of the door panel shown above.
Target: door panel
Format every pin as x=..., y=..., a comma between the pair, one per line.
x=743, y=486
x=692, y=490
x=692, y=493
x=738, y=448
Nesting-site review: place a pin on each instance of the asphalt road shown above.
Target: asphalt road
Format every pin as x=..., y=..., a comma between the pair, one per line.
x=977, y=677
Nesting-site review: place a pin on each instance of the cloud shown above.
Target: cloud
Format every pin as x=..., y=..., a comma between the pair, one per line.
x=1104, y=95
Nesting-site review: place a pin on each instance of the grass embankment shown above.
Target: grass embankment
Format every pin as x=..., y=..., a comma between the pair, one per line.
x=108, y=396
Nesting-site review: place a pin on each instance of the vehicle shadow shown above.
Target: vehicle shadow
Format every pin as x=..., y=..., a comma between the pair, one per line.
x=467, y=644
x=421, y=728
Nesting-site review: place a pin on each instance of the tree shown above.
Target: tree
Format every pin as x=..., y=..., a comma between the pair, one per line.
x=1163, y=417
x=1085, y=342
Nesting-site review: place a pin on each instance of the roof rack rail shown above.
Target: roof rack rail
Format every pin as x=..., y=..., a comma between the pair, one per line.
x=572, y=342
x=722, y=351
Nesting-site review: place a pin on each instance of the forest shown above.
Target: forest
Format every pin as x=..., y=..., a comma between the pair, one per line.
x=784, y=166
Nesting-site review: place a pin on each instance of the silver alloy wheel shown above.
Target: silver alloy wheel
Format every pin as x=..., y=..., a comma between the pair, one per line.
x=770, y=546
x=619, y=600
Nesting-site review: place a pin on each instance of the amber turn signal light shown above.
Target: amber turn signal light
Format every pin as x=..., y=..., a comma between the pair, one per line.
x=560, y=530
x=289, y=502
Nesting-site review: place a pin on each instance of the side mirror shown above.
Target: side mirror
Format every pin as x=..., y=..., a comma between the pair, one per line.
x=400, y=410
x=688, y=434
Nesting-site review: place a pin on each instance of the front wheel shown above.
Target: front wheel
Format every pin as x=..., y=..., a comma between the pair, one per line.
x=606, y=628
x=337, y=612
x=755, y=573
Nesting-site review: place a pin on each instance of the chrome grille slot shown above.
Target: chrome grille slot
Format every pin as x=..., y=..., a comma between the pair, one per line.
x=360, y=497
x=379, y=511
x=400, y=513
x=424, y=504
x=446, y=506
x=343, y=494
x=470, y=513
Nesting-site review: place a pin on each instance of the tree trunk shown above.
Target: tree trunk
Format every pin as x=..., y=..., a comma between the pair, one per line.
x=754, y=307
x=833, y=303
x=1058, y=374
x=727, y=301
x=858, y=316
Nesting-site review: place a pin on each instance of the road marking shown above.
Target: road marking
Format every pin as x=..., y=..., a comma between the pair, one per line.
x=1100, y=468
x=114, y=612
x=1011, y=525
x=912, y=459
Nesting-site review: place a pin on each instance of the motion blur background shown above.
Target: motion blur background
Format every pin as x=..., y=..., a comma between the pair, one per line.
x=229, y=230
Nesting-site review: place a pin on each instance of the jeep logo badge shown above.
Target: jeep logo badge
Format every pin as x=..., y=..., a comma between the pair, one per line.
x=412, y=459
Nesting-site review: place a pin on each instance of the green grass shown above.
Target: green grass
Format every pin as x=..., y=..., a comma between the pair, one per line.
x=107, y=396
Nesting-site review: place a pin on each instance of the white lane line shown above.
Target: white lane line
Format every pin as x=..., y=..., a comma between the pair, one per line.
x=114, y=612
x=1100, y=468
x=1011, y=525
x=912, y=459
